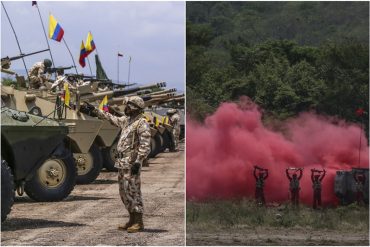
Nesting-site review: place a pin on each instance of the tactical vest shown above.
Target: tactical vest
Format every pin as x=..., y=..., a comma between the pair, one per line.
x=129, y=141
x=316, y=185
x=294, y=184
x=260, y=183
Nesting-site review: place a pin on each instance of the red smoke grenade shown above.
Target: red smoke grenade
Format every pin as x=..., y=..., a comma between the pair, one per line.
x=221, y=153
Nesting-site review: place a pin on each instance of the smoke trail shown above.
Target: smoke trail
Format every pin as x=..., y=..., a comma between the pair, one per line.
x=222, y=151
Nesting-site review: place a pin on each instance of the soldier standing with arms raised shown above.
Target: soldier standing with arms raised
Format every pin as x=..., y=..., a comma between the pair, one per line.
x=294, y=184
x=260, y=184
x=316, y=185
x=132, y=148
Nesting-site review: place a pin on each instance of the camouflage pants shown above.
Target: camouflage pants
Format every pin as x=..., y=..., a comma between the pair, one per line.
x=129, y=190
x=316, y=198
x=35, y=82
x=176, y=138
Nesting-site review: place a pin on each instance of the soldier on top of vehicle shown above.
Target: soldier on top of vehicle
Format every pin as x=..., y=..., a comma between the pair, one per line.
x=39, y=74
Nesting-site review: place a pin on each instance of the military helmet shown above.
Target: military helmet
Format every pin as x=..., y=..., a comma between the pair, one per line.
x=136, y=102
x=171, y=111
x=47, y=63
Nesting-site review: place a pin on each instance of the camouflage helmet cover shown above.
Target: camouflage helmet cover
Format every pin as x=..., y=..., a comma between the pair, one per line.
x=47, y=63
x=136, y=102
x=171, y=111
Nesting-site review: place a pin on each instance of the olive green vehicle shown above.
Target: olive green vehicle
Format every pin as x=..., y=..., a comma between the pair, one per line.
x=34, y=159
x=91, y=140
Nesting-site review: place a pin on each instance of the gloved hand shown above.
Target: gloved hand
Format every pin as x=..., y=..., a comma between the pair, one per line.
x=135, y=168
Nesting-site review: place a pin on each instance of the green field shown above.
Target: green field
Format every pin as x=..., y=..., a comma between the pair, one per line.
x=244, y=223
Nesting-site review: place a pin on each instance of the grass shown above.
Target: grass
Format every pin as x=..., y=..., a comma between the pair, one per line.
x=245, y=213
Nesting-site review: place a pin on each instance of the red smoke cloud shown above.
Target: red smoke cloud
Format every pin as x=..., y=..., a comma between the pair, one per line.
x=221, y=153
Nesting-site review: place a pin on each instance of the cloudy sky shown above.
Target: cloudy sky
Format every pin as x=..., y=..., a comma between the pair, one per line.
x=153, y=33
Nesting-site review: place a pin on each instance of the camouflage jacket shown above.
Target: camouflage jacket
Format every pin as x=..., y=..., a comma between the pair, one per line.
x=175, y=121
x=294, y=184
x=316, y=185
x=38, y=70
x=260, y=183
x=134, y=142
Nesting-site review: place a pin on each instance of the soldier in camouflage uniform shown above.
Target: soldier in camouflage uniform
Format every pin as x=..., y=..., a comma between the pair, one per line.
x=61, y=80
x=132, y=148
x=294, y=185
x=316, y=185
x=260, y=184
x=37, y=74
x=174, y=120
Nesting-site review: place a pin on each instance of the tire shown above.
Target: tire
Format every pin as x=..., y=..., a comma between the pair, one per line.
x=153, y=146
x=108, y=157
x=167, y=140
x=44, y=188
x=158, y=144
x=7, y=190
x=87, y=177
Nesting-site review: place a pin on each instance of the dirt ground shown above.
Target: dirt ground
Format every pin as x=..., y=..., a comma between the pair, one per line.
x=271, y=236
x=91, y=214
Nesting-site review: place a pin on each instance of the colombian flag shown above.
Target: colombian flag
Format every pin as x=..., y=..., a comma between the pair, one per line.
x=56, y=32
x=83, y=55
x=104, y=104
x=90, y=45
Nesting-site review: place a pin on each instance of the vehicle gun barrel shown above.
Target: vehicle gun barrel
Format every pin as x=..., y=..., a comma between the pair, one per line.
x=5, y=61
x=171, y=90
x=119, y=92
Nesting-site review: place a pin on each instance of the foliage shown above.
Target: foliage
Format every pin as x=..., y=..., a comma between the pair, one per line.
x=288, y=57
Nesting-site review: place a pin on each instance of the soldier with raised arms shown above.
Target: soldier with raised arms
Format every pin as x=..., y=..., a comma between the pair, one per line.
x=132, y=148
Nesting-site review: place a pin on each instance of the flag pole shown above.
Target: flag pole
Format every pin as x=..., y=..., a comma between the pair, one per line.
x=129, y=69
x=88, y=62
x=70, y=54
x=46, y=37
x=117, y=68
x=16, y=38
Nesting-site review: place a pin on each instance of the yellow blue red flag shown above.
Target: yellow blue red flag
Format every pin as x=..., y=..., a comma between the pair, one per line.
x=104, y=104
x=56, y=32
x=90, y=45
x=83, y=55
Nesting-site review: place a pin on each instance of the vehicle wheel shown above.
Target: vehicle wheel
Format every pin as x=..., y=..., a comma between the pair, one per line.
x=88, y=165
x=158, y=144
x=109, y=156
x=167, y=140
x=7, y=190
x=53, y=181
x=152, y=147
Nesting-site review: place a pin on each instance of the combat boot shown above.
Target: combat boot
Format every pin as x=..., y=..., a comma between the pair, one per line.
x=128, y=224
x=138, y=224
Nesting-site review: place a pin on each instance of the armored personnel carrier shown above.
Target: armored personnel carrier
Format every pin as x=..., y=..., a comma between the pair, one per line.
x=34, y=159
x=345, y=185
